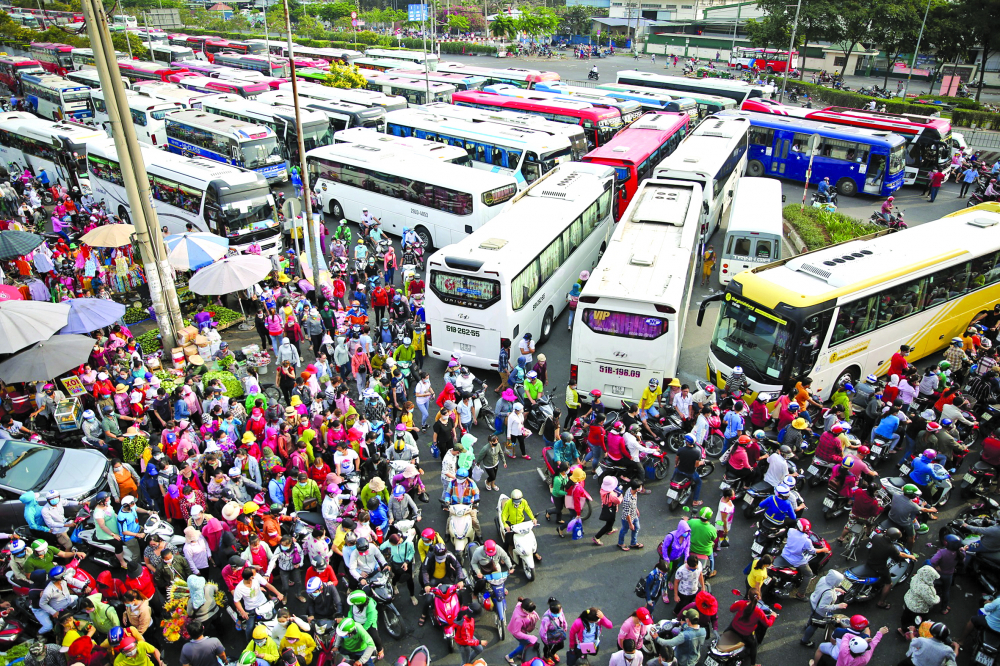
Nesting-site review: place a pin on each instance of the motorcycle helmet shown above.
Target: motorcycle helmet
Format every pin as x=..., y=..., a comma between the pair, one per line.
x=57, y=572
x=705, y=513
x=764, y=397
x=910, y=490
x=248, y=658
x=804, y=525
x=952, y=542
x=618, y=428
x=362, y=545
x=944, y=365
x=128, y=646
x=689, y=439
x=871, y=379
x=857, y=645
x=789, y=481
x=516, y=496
x=490, y=547
x=596, y=393
x=259, y=633
x=945, y=423
x=276, y=507
x=462, y=473
x=859, y=622
x=891, y=199
x=566, y=437
x=744, y=440
x=785, y=451
x=793, y=407
x=115, y=636
x=929, y=454
x=847, y=462
x=373, y=504
x=710, y=389
x=737, y=370
x=578, y=422
x=894, y=534
x=940, y=631
x=398, y=491
x=347, y=626
x=428, y=535
x=634, y=429
x=933, y=426
x=849, y=387
x=16, y=547
x=440, y=552
x=845, y=426
x=531, y=373
x=39, y=546
x=313, y=586
x=760, y=435
x=357, y=598
x=863, y=450
x=782, y=491
x=407, y=341
x=343, y=223
x=837, y=429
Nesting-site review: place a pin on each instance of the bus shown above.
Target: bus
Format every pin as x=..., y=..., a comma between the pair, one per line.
x=147, y=115
x=636, y=151
x=459, y=81
x=302, y=61
x=839, y=313
x=378, y=64
x=124, y=21
x=255, y=147
x=54, y=58
x=414, y=91
x=763, y=60
x=599, y=125
x=204, y=84
x=659, y=102
x=84, y=59
x=199, y=67
x=171, y=92
x=515, y=76
x=168, y=54
x=523, y=153
x=755, y=228
x=214, y=47
x=628, y=110
x=233, y=74
x=56, y=98
x=137, y=70
x=715, y=156
x=314, y=127
x=31, y=21
x=441, y=202
x=737, y=91
x=928, y=140
x=342, y=56
x=707, y=104
x=632, y=312
x=409, y=57
x=268, y=64
x=152, y=36
x=89, y=78
x=511, y=277
x=340, y=115
x=30, y=142
x=409, y=144
x=12, y=67
x=224, y=200
x=355, y=96
x=855, y=160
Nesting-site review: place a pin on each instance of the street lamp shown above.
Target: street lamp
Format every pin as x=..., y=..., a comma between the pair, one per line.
x=913, y=61
x=791, y=45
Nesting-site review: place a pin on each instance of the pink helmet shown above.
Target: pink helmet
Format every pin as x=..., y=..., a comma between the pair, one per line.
x=929, y=454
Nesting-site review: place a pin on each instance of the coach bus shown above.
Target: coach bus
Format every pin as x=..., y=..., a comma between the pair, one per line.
x=414, y=91
x=137, y=70
x=840, y=313
x=167, y=54
x=763, y=60
x=637, y=150
x=56, y=98
x=30, y=142
x=515, y=76
x=342, y=56
x=12, y=67
x=368, y=65
x=707, y=104
x=147, y=115
x=215, y=46
x=512, y=275
x=355, y=96
x=54, y=58
x=738, y=91
x=460, y=81
x=441, y=202
x=204, y=84
x=647, y=102
x=632, y=312
x=268, y=64
x=627, y=109
x=409, y=144
x=409, y=57
x=201, y=134
x=340, y=115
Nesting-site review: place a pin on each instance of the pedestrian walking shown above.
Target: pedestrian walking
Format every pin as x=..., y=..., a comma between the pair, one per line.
x=936, y=181
x=968, y=178
x=630, y=516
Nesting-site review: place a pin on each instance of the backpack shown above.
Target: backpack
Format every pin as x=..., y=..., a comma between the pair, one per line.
x=640, y=588
x=554, y=634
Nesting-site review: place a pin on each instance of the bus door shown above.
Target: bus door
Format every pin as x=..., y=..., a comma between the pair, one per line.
x=875, y=173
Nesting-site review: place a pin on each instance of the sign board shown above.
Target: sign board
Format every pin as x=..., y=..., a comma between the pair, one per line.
x=354, y=15
x=291, y=209
x=416, y=12
x=74, y=386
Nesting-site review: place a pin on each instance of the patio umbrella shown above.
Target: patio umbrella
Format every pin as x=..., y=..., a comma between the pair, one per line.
x=109, y=235
x=191, y=251
x=9, y=293
x=90, y=314
x=231, y=274
x=26, y=322
x=14, y=243
x=47, y=359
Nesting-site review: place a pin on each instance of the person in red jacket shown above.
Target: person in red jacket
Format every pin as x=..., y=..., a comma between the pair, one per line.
x=318, y=471
x=750, y=622
x=830, y=448
x=320, y=569
x=898, y=363
x=380, y=301
x=469, y=646
x=339, y=292
x=739, y=462
x=991, y=452
x=595, y=438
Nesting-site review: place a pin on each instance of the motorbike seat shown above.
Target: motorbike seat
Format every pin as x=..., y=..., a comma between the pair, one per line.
x=729, y=641
x=896, y=481
x=311, y=518
x=991, y=639
x=762, y=488
x=863, y=571
x=980, y=466
x=549, y=455
x=819, y=462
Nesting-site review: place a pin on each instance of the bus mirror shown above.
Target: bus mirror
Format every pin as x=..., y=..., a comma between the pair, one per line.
x=783, y=198
x=704, y=306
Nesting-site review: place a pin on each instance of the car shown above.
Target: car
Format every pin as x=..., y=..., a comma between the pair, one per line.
x=78, y=475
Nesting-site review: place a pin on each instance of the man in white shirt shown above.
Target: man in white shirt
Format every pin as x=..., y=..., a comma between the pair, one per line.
x=344, y=452
x=527, y=347
x=682, y=403
x=249, y=595
x=703, y=398
x=777, y=466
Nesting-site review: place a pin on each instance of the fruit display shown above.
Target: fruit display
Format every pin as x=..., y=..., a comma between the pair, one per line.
x=259, y=359
x=135, y=315
x=168, y=380
x=150, y=341
x=224, y=316
x=234, y=388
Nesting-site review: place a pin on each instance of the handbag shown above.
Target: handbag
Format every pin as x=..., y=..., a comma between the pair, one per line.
x=477, y=473
x=607, y=512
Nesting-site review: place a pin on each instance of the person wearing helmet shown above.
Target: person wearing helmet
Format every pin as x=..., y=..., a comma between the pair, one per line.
x=923, y=474
x=738, y=465
x=297, y=642
x=778, y=508
x=365, y=560
x=489, y=558
x=955, y=355
x=515, y=511
x=651, y=401
x=777, y=465
x=735, y=423
x=362, y=609
x=262, y=645
x=428, y=539
x=686, y=463
x=463, y=490
x=883, y=552
x=322, y=599
x=440, y=567
x=905, y=511
x=564, y=451
x=705, y=396
x=632, y=450
x=824, y=602
x=864, y=392
x=703, y=536
x=353, y=643
x=57, y=595
x=533, y=388
x=797, y=552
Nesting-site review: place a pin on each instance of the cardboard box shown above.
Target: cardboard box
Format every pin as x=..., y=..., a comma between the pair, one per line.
x=188, y=334
x=153, y=363
x=190, y=350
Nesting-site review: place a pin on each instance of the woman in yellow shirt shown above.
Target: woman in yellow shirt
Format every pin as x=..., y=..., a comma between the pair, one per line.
x=758, y=574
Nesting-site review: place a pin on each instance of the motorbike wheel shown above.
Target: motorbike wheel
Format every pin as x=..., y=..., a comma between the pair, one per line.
x=501, y=623
x=749, y=510
x=451, y=646
x=713, y=445
x=675, y=441
x=705, y=470
x=393, y=622
x=529, y=572
x=661, y=468
x=274, y=395
x=674, y=503
x=487, y=415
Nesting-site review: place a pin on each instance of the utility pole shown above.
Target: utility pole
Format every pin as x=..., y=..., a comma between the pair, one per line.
x=423, y=33
x=913, y=61
x=159, y=276
x=791, y=47
x=149, y=37
x=307, y=222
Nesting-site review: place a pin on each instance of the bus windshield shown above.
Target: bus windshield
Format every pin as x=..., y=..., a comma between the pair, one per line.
x=261, y=152
x=550, y=160
x=897, y=159
x=76, y=96
x=243, y=218
x=625, y=324
x=465, y=291
x=751, y=337
x=317, y=136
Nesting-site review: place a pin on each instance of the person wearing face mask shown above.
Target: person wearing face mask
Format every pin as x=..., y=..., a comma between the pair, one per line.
x=123, y=481
x=322, y=600
x=137, y=614
x=171, y=568
x=53, y=513
x=46, y=402
x=289, y=558
x=402, y=507
x=93, y=433
x=299, y=642
x=128, y=526
x=106, y=529
x=365, y=561
x=262, y=645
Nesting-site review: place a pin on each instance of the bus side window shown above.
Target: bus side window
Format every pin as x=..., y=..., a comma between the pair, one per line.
x=901, y=301
x=513, y=159
x=984, y=271
x=855, y=318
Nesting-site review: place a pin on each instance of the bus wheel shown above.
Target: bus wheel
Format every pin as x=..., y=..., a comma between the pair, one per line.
x=546, y=326
x=336, y=210
x=848, y=376
x=847, y=187
x=755, y=168
x=770, y=70
x=425, y=238
x=123, y=214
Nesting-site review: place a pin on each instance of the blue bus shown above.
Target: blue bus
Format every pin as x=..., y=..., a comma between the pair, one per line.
x=855, y=159
x=201, y=134
x=649, y=102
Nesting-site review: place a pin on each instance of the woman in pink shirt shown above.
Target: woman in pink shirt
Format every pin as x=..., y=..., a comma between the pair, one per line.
x=585, y=632
x=845, y=656
x=523, y=622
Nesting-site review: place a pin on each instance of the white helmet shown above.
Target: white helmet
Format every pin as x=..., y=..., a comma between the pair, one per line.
x=857, y=645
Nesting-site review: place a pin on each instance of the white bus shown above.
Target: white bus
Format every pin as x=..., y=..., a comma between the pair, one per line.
x=56, y=98
x=89, y=78
x=432, y=149
x=217, y=198
x=714, y=155
x=754, y=231
x=168, y=54
x=511, y=277
x=441, y=202
x=124, y=21
x=738, y=91
x=414, y=57
x=343, y=56
x=523, y=153
x=356, y=96
x=147, y=115
x=414, y=91
x=171, y=92
x=631, y=315
x=27, y=141
x=341, y=115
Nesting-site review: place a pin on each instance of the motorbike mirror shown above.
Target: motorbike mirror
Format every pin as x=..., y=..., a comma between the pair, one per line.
x=776, y=607
x=737, y=593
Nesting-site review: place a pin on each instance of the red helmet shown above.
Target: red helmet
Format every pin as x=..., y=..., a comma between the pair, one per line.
x=128, y=644
x=836, y=430
x=863, y=450
x=744, y=439
x=596, y=393
x=428, y=534
x=490, y=547
x=933, y=426
x=710, y=389
x=578, y=422
x=804, y=525
x=859, y=622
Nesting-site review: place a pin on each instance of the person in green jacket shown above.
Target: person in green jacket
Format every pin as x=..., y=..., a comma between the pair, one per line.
x=375, y=488
x=252, y=399
x=102, y=615
x=558, y=492
x=365, y=613
x=842, y=397
x=703, y=535
x=305, y=489
x=353, y=642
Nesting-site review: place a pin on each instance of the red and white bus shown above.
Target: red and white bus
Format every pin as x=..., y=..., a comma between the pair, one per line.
x=764, y=60
x=248, y=89
x=53, y=57
x=928, y=140
x=303, y=61
x=139, y=70
x=214, y=46
x=275, y=66
x=599, y=125
x=515, y=76
x=12, y=67
x=637, y=149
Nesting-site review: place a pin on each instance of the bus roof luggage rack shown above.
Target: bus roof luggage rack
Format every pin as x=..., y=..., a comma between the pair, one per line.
x=493, y=244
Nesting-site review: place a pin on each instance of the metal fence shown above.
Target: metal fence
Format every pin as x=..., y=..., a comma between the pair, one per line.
x=982, y=139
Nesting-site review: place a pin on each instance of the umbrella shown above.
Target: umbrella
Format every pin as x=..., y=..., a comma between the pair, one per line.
x=230, y=274
x=90, y=314
x=26, y=322
x=109, y=235
x=9, y=293
x=191, y=251
x=14, y=243
x=47, y=359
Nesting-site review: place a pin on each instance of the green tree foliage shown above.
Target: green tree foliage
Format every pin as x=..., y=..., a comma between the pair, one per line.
x=504, y=27
x=537, y=21
x=332, y=11
x=771, y=31
x=122, y=41
x=575, y=20
x=981, y=19
x=345, y=76
x=458, y=23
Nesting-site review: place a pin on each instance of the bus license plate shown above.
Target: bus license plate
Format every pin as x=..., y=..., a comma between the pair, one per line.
x=828, y=503
x=904, y=470
x=968, y=478
x=464, y=347
x=813, y=469
x=876, y=449
x=671, y=494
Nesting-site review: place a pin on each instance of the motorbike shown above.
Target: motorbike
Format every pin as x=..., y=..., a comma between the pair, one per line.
x=682, y=488
x=716, y=440
x=835, y=504
x=879, y=451
x=728, y=649
x=987, y=647
x=379, y=588
x=787, y=578
x=984, y=566
x=460, y=526
x=593, y=76
x=768, y=538
x=820, y=201
x=419, y=657
x=895, y=220
x=445, y=611
x=495, y=596
x=480, y=403
x=11, y=631
x=660, y=629
x=861, y=581
x=266, y=614
x=940, y=476
x=417, y=248
x=536, y=414
x=819, y=472
x=858, y=532
x=979, y=478
x=525, y=545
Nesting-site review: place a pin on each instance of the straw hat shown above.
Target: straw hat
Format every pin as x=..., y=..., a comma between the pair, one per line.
x=231, y=511
x=800, y=424
x=121, y=388
x=196, y=359
x=132, y=432
x=377, y=485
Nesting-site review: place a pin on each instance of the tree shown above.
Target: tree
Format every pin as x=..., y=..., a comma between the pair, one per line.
x=122, y=41
x=854, y=25
x=771, y=31
x=946, y=35
x=503, y=27
x=537, y=21
x=575, y=20
x=897, y=29
x=458, y=23
x=330, y=12
x=309, y=26
x=345, y=76
x=981, y=18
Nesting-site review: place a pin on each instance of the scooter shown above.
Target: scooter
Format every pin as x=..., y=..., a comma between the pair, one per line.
x=460, y=526
x=878, y=453
x=895, y=220
x=985, y=566
x=419, y=657
x=787, y=578
x=495, y=597
x=835, y=504
x=819, y=472
x=861, y=581
x=987, y=647
x=728, y=649
x=593, y=76
x=979, y=478
x=942, y=480
x=11, y=631
x=480, y=403
x=525, y=545
x=379, y=588
x=682, y=488
x=661, y=629
x=716, y=440
x=267, y=615
x=768, y=538
x=446, y=609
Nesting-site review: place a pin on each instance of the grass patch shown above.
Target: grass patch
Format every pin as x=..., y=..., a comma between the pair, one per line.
x=818, y=228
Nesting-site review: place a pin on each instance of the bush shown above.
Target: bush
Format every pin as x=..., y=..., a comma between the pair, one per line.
x=832, y=97
x=819, y=228
x=980, y=119
x=960, y=102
